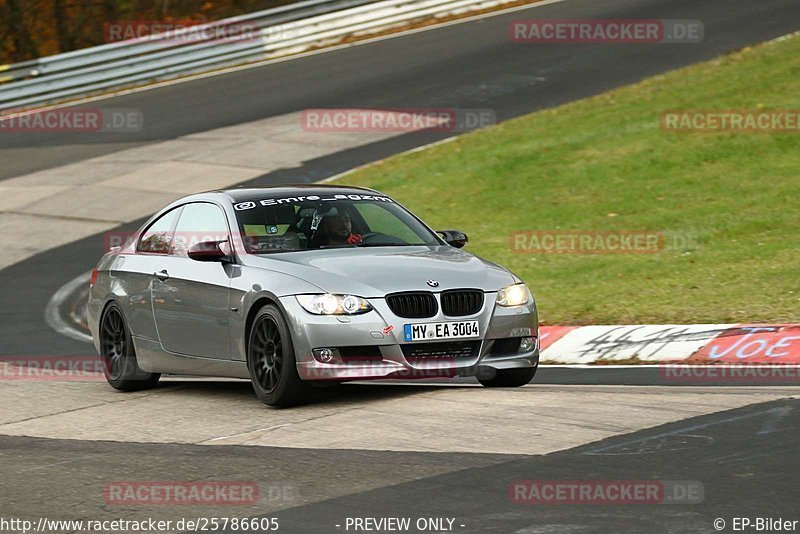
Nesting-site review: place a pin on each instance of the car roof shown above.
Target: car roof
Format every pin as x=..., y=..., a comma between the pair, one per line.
x=240, y=194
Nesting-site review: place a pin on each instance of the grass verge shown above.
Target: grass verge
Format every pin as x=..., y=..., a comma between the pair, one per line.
x=604, y=164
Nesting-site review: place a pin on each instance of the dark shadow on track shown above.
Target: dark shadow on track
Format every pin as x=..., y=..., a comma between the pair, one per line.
x=743, y=459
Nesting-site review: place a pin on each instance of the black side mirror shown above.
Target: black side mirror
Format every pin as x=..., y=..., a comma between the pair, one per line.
x=454, y=238
x=208, y=251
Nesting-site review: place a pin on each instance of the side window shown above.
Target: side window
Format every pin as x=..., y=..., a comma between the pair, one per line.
x=199, y=222
x=157, y=239
x=381, y=221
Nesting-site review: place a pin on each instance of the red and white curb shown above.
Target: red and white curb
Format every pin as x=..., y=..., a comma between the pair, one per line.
x=695, y=343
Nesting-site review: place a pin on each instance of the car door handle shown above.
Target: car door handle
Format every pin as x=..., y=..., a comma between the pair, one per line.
x=162, y=275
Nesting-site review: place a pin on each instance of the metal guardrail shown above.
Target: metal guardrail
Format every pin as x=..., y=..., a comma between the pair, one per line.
x=273, y=32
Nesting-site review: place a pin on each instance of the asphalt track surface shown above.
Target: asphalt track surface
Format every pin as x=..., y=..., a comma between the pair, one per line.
x=744, y=457
x=465, y=65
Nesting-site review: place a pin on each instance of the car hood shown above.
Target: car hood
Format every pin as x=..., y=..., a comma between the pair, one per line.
x=374, y=272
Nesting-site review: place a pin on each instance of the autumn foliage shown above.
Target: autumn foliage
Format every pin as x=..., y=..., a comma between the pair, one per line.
x=34, y=28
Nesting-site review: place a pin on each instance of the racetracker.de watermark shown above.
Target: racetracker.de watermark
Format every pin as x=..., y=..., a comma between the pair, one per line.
x=732, y=121
x=127, y=493
x=210, y=243
x=185, y=31
x=730, y=373
x=110, y=120
x=599, y=242
x=396, y=120
x=605, y=492
x=52, y=368
x=630, y=31
x=352, y=368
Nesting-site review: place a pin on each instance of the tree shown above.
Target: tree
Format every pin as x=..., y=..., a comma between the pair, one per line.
x=20, y=44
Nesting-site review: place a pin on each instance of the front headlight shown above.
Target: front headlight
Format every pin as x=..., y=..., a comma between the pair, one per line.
x=329, y=304
x=514, y=295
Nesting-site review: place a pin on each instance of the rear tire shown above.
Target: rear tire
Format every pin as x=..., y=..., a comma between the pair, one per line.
x=271, y=361
x=509, y=378
x=119, y=355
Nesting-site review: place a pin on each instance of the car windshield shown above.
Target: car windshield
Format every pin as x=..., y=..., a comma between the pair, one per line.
x=285, y=224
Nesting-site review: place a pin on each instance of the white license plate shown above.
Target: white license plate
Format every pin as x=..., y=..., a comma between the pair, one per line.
x=448, y=330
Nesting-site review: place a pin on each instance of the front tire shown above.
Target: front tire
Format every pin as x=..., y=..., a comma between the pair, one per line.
x=509, y=378
x=271, y=361
x=119, y=356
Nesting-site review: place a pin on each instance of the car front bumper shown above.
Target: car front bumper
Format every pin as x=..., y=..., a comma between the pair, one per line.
x=371, y=345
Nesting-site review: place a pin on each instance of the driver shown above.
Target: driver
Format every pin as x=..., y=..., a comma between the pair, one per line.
x=337, y=229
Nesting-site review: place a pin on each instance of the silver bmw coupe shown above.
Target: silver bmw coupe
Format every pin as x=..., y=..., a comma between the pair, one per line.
x=298, y=286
